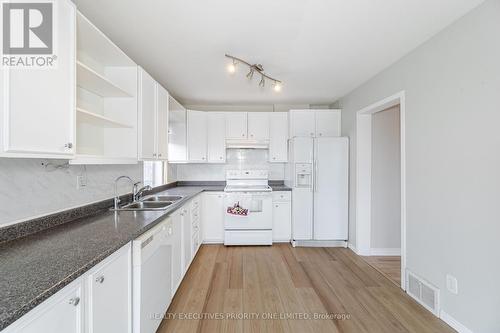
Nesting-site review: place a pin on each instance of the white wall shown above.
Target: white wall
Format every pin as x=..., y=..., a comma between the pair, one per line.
x=28, y=189
x=386, y=180
x=452, y=86
x=236, y=159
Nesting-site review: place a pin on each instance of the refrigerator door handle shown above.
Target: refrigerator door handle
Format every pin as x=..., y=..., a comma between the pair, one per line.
x=315, y=175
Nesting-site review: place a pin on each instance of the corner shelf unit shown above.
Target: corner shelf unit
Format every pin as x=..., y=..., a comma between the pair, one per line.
x=106, y=112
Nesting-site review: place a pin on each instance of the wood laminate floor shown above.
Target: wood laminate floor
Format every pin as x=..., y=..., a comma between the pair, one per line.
x=280, y=289
x=390, y=266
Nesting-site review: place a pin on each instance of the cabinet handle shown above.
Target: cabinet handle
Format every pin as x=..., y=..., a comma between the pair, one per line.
x=276, y=206
x=100, y=279
x=243, y=134
x=220, y=158
x=320, y=134
x=203, y=158
x=274, y=158
x=312, y=134
x=69, y=145
x=74, y=301
x=251, y=135
x=159, y=155
x=154, y=155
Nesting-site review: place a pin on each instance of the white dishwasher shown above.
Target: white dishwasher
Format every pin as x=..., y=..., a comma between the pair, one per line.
x=152, y=277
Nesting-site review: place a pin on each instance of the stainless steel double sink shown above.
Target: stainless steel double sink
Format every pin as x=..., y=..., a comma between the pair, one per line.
x=155, y=202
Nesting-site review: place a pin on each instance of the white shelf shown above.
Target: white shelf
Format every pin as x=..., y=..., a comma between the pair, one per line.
x=98, y=120
x=100, y=159
x=92, y=81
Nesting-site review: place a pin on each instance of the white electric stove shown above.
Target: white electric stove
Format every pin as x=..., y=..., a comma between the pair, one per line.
x=248, y=208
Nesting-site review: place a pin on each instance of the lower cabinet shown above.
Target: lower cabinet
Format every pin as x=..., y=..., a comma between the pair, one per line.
x=109, y=294
x=99, y=301
x=213, y=217
x=282, y=217
x=62, y=312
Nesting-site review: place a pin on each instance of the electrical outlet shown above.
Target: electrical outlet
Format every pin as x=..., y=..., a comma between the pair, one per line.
x=81, y=182
x=452, y=284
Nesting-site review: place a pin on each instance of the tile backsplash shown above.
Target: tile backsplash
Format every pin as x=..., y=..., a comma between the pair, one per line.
x=235, y=159
x=31, y=187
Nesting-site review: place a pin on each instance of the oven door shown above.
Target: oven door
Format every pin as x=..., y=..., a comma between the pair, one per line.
x=259, y=207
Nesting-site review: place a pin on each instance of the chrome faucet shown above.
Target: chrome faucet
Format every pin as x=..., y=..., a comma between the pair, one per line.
x=139, y=191
x=117, y=197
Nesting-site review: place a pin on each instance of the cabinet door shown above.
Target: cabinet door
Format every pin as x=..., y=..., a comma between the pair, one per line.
x=147, y=115
x=177, y=268
x=216, y=140
x=177, y=139
x=302, y=123
x=302, y=213
x=197, y=136
x=62, y=312
x=278, y=137
x=282, y=224
x=162, y=122
x=110, y=298
x=258, y=125
x=37, y=113
x=236, y=125
x=328, y=123
x=213, y=217
x=186, y=238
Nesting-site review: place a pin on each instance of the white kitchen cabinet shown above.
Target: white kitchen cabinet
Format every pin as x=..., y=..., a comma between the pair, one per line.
x=236, y=125
x=197, y=136
x=161, y=122
x=177, y=250
x=327, y=123
x=153, y=118
x=278, y=137
x=62, y=312
x=177, y=132
x=110, y=295
x=37, y=117
x=315, y=123
x=216, y=137
x=147, y=115
x=187, y=238
x=302, y=123
x=213, y=211
x=282, y=220
x=258, y=126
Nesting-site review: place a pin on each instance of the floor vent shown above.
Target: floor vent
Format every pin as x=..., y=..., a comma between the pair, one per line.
x=423, y=292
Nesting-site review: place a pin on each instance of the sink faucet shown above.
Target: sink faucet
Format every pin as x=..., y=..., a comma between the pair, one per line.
x=139, y=191
x=117, y=197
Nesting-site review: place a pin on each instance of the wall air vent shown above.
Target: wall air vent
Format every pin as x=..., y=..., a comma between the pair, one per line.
x=423, y=292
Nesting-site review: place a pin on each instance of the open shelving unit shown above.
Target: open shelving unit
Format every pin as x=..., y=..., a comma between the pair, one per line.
x=106, y=108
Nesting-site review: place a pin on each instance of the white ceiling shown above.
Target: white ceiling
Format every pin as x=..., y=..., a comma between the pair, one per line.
x=321, y=49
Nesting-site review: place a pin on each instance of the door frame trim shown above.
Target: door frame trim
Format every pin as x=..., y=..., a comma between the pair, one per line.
x=363, y=175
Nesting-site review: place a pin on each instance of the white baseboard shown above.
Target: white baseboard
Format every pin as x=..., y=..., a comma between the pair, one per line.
x=352, y=247
x=455, y=324
x=385, y=251
x=213, y=241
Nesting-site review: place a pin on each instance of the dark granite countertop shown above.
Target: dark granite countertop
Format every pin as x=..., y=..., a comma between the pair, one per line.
x=35, y=267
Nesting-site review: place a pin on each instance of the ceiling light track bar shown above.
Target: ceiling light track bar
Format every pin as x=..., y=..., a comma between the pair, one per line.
x=255, y=67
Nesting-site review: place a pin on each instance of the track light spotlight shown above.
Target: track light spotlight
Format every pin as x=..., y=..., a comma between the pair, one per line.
x=250, y=74
x=262, y=82
x=231, y=68
x=277, y=86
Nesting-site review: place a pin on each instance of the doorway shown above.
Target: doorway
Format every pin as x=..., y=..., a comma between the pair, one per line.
x=380, y=187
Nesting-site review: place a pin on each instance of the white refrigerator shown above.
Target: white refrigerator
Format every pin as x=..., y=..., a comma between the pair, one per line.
x=319, y=177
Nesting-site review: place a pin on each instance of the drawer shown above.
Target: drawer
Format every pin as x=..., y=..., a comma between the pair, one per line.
x=282, y=196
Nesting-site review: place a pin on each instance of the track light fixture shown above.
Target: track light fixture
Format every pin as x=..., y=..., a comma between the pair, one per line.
x=253, y=68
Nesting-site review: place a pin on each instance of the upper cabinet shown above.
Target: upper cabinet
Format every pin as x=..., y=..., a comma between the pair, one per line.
x=37, y=116
x=216, y=137
x=315, y=123
x=327, y=123
x=278, y=137
x=106, y=103
x=177, y=138
x=152, y=119
x=236, y=125
x=258, y=126
x=197, y=136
